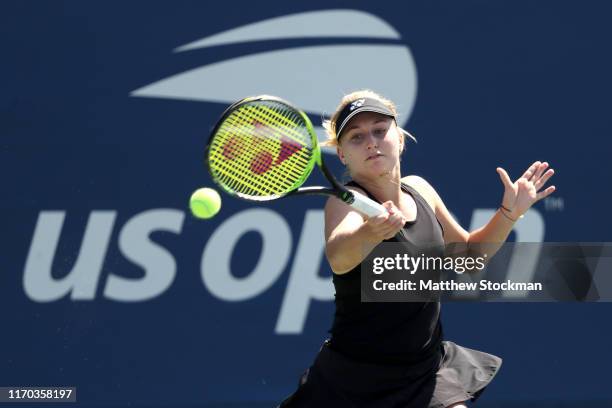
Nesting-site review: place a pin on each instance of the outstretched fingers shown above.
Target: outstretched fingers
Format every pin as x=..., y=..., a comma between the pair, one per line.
x=542, y=180
x=531, y=170
x=545, y=193
x=505, y=178
x=539, y=171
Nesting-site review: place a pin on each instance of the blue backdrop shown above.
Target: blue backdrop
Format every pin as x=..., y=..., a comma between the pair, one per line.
x=107, y=282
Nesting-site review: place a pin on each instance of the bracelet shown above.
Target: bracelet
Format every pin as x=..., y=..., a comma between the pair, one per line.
x=507, y=216
x=507, y=209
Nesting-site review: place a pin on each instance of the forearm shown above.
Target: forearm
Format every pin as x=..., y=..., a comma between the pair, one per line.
x=345, y=250
x=489, y=238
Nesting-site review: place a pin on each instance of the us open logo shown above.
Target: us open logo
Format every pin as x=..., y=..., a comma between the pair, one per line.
x=313, y=77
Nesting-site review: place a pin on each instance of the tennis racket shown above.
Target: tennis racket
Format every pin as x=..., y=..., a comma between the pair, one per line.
x=263, y=148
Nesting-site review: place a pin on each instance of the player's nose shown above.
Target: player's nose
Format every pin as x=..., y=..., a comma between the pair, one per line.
x=371, y=141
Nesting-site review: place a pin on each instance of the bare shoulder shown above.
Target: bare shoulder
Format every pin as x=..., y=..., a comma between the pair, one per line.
x=424, y=188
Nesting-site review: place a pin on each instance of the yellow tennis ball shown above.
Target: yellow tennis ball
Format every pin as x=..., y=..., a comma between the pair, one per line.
x=205, y=203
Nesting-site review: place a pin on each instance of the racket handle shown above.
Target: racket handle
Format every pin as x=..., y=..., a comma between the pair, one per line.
x=366, y=206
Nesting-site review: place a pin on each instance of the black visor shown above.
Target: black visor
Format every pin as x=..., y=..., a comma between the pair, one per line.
x=362, y=105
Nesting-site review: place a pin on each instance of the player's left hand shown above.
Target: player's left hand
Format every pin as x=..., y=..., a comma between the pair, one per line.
x=520, y=195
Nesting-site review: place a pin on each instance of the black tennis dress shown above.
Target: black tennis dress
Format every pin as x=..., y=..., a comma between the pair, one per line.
x=392, y=355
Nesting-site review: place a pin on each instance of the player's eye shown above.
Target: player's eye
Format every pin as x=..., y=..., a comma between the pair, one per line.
x=380, y=131
x=355, y=137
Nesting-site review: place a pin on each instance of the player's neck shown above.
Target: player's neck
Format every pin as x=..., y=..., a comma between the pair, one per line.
x=385, y=187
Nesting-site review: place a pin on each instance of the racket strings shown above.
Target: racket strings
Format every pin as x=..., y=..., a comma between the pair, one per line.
x=231, y=149
x=259, y=160
x=261, y=150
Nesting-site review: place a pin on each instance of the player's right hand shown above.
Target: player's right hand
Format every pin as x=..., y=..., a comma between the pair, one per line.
x=385, y=226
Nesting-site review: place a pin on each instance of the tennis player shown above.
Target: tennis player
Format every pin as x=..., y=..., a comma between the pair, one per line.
x=393, y=354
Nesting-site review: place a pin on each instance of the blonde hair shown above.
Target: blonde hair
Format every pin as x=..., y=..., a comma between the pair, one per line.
x=330, y=124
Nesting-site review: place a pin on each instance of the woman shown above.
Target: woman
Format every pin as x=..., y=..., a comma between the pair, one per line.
x=392, y=354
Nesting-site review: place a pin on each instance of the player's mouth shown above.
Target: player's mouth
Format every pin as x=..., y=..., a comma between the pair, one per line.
x=374, y=156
